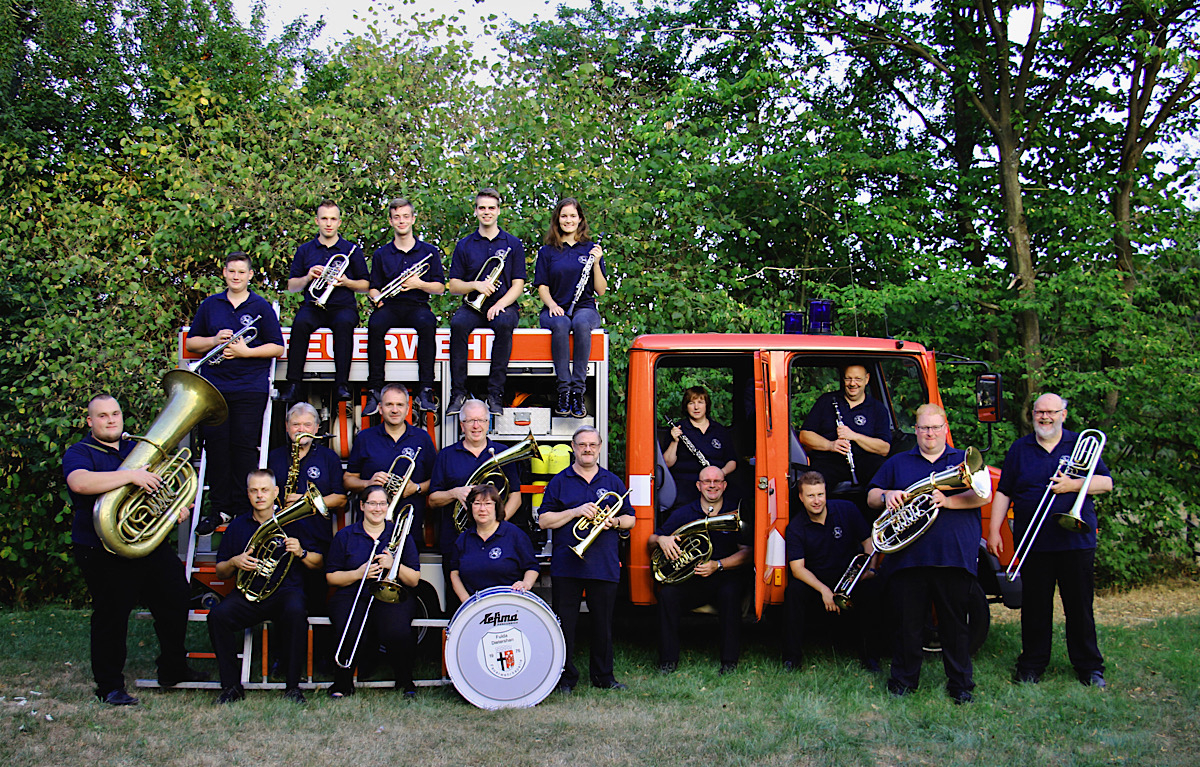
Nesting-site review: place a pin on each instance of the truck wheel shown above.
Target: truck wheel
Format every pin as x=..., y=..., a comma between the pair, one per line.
x=979, y=617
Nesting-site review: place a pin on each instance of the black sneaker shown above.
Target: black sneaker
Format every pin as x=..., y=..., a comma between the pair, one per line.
x=1094, y=679
x=209, y=524
x=960, y=698
x=295, y=695
x=727, y=668
x=231, y=695
x=117, y=697
x=562, y=408
x=495, y=404
x=578, y=409
x=668, y=668
x=341, y=393
x=372, y=406
x=287, y=391
x=425, y=401
x=456, y=403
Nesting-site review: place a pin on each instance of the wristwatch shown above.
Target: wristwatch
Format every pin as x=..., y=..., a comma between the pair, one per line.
x=303, y=553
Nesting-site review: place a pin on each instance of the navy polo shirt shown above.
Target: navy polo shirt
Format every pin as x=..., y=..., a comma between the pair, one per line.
x=321, y=467
x=953, y=540
x=313, y=253
x=501, y=560
x=454, y=466
x=374, y=450
x=473, y=251
x=238, y=533
x=389, y=262
x=869, y=417
x=238, y=376
x=827, y=548
x=566, y=490
x=352, y=546
x=559, y=270
x=1024, y=478
x=717, y=446
x=89, y=454
x=725, y=542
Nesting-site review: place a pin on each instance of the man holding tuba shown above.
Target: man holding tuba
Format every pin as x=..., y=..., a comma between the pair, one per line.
x=940, y=565
x=92, y=467
x=569, y=503
x=1065, y=557
x=716, y=581
x=488, y=269
x=328, y=270
x=285, y=606
x=417, y=268
x=241, y=373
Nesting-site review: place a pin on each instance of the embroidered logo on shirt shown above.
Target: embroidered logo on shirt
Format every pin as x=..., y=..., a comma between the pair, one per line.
x=716, y=443
x=408, y=453
x=837, y=532
x=245, y=319
x=314, y=472
x=860, y=420
x=582, y=259
x=495, y=553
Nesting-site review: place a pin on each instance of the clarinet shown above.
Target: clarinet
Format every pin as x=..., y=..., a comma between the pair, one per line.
x=581, y=286
x=690, y=446
x=837, y=411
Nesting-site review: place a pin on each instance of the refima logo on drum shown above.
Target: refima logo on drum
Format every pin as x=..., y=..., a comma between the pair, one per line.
x=497, y=618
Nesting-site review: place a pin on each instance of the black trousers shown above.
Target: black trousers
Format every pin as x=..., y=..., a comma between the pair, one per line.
x=1074, y=573
x=804, y=610
x=116, y=585
x=723, y=590
x=235, y=613
x=232, y=449
x=387, y=624
x=389, y=316
x=566, y=595
x=465, y=320
x=310, y=318
x=911, y=590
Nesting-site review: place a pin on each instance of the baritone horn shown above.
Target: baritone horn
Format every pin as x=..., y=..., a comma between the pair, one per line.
x=322, y=287
x=897, y=528
x=1081, y=463
x=695, y=548
x=269, y=546
x=131, y=521
x=588, y=530
x=490, y=273
x=491, y=472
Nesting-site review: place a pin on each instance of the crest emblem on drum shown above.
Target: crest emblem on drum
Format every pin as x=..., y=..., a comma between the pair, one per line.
x=314, y=472
x=495, y=553
x=860, y=420
x=503, y=653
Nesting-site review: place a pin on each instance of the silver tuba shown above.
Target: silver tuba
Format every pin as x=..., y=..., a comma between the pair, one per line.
x=897, y=528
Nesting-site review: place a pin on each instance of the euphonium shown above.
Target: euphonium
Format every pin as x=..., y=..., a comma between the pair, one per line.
x=489, y=275
x=132, y=522
x=216, y=355
x=397, y=285
x=491, y=472
x=850, y=579
x=895, y=529
x=268, y=546
x=322, y=287
x=695, y=544
x=588, y=530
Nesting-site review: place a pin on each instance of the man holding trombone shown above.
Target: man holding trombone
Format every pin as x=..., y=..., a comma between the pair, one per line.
x=1053, y=469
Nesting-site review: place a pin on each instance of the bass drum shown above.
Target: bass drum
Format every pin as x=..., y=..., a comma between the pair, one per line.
x=505, y=649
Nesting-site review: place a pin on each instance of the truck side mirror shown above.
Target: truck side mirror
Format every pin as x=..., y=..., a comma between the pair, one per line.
x=989, y=398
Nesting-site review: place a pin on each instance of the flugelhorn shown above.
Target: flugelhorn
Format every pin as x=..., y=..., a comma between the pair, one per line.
x=1081, y=463
x=588, y=530
x=131, y=521
x=322, y=287
x=490, y=274
x=269, y=546
x=491, y=472
x=850, y=579
x=695, y=548
x=216, y=355
x=396, y=286
x=897, y=528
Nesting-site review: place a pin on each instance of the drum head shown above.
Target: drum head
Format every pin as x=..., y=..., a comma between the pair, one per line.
x=504, y=649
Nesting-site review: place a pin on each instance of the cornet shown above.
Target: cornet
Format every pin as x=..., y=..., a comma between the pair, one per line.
x=322, y=287
x=588, y=530
x=396, y=286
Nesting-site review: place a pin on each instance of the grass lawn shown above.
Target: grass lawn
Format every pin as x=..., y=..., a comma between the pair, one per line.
x=831, y=712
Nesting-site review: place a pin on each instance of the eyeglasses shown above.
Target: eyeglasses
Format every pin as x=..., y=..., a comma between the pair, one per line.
x=374, y=504
x=859, y=381
x=931, y=429
x=590, y=445
x=476, y=420
x=1040, y=413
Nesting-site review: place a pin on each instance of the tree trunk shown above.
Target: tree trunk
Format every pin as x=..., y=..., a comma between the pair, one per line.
x=1021, y=263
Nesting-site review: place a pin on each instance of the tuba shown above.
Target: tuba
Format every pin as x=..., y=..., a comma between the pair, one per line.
x=490, y=472
x=895, y=529
x=588, y=530
x=322, y=287
x=489, y=273
x=267, y=546
x=695, y=548
x=132, y=522
x=396, y=286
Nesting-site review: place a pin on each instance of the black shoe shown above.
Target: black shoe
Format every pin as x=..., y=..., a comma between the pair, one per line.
x=792, y=665
x=209, y=524
x=668, y=668
x=295, y=696
x=1027, y=677
x=372, y=406
x=495, y=404
x=425, y=401
x=287, y=391
x=727, y=668
x=578, y=408
x=188, y=674
x=562, y=408
x=564, y=689
x=231, y=695
x=117, y=697
x=613, y=685
x=898, y=690
x=961, y=697
x=410, y=693
x=870, y=664
x=341, y=393
x=1094, y=679
x=456, y=403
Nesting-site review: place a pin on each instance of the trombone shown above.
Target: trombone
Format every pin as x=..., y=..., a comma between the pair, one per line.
x=1081, y=463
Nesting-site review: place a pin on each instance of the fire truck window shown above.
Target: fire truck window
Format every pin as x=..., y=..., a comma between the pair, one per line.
x=905, y=389
x=807, y=383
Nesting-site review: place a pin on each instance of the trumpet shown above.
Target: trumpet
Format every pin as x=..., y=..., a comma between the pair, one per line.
x=897, y=528
x=397, y=483
x=850, y=579
x=588, y=530
x=695, y=544
x=584, y=277
x=216, y=356
x=837, y=412
x=396, y=286
x=322, y=287
x=475, y=299
x=268, y=546
x=491, y=472
x=1081, y=462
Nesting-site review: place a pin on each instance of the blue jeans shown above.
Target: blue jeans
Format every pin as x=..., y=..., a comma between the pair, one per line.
x=571, y=369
